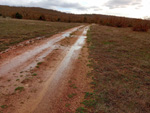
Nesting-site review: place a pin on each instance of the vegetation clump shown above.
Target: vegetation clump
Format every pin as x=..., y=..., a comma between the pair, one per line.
x=18, y=16
x=81, y=110
x=4, y=106
x=42, y=17
x=19, y=89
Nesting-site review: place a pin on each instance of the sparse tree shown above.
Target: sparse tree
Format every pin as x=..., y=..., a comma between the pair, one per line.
x=58, y=19
x=18, y=16
x=42, y=17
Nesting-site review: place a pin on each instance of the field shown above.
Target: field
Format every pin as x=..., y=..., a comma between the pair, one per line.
x=120, y=62
x=13, y=31
x=109, y=74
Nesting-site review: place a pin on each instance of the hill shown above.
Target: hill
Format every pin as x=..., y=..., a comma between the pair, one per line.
x=36, y=13
x=50, y=15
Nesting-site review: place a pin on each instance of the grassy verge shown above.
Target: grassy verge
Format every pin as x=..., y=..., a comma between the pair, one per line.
x=120, y=59
x=13, y=31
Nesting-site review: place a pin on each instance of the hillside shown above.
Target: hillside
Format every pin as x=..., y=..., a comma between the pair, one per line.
x=50, y=15
x=35, y=13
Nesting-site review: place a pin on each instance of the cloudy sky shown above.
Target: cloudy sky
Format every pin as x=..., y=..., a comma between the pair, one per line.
x=127, y=8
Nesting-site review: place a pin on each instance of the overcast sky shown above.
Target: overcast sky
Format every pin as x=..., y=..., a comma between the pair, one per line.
x=127, y=8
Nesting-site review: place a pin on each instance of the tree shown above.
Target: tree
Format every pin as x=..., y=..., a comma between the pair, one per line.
x=42, y=17
x=58, y=19
x=85, y=19
x=18, y=16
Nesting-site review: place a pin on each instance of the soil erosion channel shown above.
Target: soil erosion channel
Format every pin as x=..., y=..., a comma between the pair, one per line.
x=30, y=77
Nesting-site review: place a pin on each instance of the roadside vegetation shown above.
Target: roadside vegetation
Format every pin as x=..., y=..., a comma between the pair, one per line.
x=13, y=31
x=120, y=62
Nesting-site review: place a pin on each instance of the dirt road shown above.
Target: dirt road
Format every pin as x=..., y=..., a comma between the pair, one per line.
x=38, y=77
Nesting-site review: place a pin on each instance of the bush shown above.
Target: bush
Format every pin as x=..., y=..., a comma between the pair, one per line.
x=42, y=17
x=18, y=16
x=81, y=110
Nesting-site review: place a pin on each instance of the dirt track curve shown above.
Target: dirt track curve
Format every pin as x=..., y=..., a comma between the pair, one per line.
x=34, y=78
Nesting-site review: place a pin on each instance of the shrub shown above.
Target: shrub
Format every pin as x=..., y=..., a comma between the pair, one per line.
x=89, y=103
x=4, y=16
x=58, y=19
x=18, y=16
x=19, y=89
x=42, y=17
x=81, y=110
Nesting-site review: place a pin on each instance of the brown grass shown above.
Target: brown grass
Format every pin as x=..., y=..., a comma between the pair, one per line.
x=13, y=31
x=120, y=59
x=141, y=26
x=136, y=24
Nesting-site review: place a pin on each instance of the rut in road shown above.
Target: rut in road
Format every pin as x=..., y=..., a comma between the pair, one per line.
x=51, y=74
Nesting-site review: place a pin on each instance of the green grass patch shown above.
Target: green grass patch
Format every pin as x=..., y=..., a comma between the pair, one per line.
x=39, y=63
x=72, y=95
x=81, y=110
x=19, y=89
x=89, y=103
x=67, y=105
x=37, y=66
x=4, y=106
x=88, y=95
x=73, y=86
x=34, y=74
x=17, y=79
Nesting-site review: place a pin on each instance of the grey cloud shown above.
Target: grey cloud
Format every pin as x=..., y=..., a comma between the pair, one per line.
x=122, y=3
x=138, y=6
x=97, y=9
x=57, y=3
x=50, y=4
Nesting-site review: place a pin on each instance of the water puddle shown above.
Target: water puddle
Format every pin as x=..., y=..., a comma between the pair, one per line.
x=72, y=54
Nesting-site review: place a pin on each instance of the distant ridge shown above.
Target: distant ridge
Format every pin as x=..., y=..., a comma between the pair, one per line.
x=50, y=15
x=36, y=13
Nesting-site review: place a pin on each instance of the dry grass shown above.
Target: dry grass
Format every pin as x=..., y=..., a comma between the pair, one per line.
x=13, y=31
x=120, y=59
x=141, y=26
x=136, y=24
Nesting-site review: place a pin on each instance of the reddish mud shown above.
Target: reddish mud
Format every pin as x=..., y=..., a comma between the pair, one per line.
x=34, y=78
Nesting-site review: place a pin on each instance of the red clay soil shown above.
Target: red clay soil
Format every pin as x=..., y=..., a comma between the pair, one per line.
x=75, y=86
x=54, y=85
